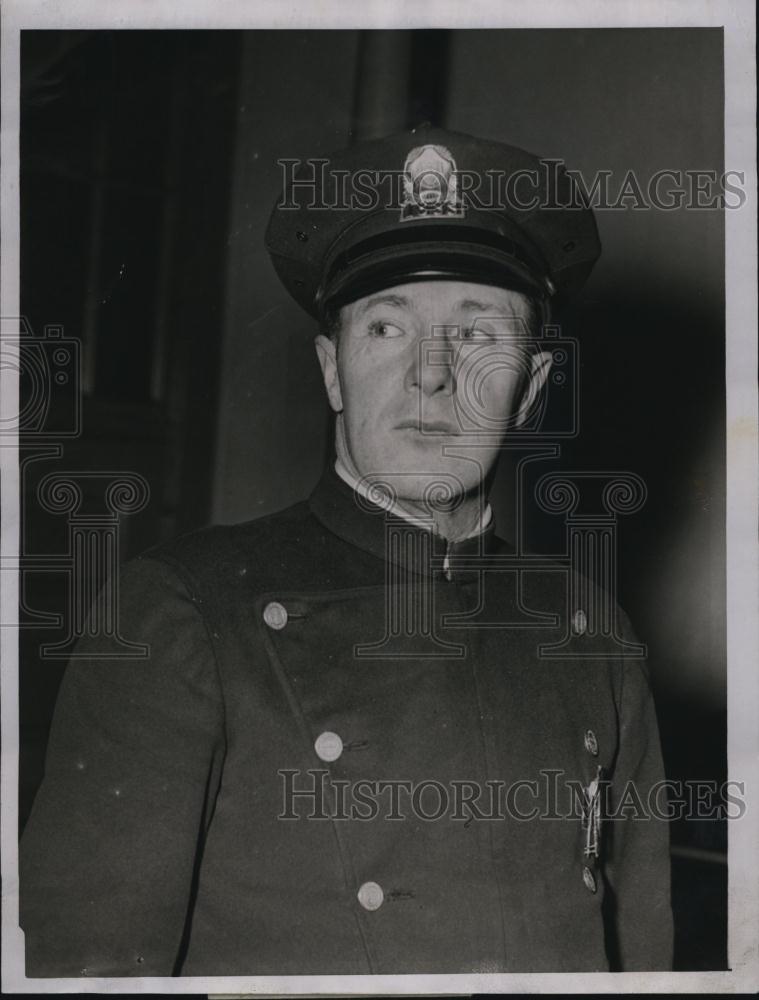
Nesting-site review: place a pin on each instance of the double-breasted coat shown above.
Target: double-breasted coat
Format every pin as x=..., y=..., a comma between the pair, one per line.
x=295, y=663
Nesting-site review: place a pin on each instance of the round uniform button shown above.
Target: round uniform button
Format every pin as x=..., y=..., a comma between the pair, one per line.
x=591, y=743
x=328, y=746
x=589, y=879
x=275, y=615
x=579, y=622
x=371, y=896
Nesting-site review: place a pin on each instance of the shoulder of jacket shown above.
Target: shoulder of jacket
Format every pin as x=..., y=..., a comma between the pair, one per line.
x=213, y=549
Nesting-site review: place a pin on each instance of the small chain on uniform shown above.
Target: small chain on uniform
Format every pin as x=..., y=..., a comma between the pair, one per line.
x=447, y=561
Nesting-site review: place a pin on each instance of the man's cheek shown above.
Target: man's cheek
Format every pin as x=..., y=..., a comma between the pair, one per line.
x=498, y=398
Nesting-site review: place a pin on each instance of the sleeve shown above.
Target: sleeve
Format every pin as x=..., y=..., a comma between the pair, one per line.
x=638, y=868
x=107, y=858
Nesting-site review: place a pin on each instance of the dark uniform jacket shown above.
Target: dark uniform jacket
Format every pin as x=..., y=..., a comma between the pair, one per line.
x=160, y=841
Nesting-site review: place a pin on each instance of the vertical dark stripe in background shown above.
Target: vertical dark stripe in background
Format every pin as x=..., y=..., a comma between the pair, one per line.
x=401, y=81
x=428, y=77
x=381, y=85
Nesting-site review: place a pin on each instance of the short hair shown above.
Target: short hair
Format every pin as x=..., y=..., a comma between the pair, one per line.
x=331, y=321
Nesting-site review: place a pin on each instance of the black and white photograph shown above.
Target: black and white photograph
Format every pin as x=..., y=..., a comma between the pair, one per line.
x=379, y=498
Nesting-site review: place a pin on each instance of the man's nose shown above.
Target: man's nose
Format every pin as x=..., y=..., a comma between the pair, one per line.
x=432, y=367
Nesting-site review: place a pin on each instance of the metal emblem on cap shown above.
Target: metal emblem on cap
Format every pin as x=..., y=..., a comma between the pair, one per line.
x=430, y=186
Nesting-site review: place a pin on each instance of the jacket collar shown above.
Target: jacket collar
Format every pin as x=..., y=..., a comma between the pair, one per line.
x=395, y=508
x=392, y=536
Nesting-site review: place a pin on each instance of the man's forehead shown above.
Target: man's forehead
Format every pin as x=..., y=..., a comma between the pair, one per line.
x=455, y=296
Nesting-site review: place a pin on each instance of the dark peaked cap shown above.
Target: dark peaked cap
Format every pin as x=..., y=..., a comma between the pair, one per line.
x=429, y=203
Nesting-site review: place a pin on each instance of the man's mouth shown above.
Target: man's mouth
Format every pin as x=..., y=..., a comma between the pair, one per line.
x=428, y=426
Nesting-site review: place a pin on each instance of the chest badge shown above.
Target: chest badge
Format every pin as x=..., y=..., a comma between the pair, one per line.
x=591, y=819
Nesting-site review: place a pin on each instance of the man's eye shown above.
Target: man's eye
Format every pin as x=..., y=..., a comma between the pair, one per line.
x=475, y=333
x=385, y=331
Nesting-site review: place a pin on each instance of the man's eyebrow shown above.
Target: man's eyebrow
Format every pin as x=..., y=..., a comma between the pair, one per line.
x=385, y=300
x=485, y=307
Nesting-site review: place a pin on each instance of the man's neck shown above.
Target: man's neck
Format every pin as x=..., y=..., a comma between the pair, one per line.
x=470, y=517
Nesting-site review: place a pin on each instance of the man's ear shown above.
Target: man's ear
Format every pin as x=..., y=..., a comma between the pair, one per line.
x=540, y=365
x=326, y=353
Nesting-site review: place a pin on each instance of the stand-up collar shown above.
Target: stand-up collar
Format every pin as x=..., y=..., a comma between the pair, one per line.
x=394, y=507
x=393, y=537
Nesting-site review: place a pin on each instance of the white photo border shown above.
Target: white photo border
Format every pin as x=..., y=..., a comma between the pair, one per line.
x=737, y=18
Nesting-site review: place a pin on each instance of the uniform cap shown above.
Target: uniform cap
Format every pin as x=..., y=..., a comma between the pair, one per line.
x=429, y=203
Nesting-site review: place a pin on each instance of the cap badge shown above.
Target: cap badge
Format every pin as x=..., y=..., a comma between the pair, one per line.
x=430, y=186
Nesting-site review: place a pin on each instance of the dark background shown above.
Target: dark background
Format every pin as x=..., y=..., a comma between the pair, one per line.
x=148, y=169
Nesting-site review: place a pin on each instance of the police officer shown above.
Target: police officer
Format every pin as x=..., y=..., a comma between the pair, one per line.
x=351, y=748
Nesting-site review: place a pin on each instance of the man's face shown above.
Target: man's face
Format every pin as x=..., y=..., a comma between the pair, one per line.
x=428, y=377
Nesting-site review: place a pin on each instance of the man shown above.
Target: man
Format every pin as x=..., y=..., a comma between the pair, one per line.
x=347, y=750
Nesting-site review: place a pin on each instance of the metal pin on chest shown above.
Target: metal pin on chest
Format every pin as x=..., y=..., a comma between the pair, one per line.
x=592, y=816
